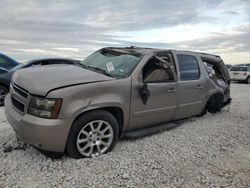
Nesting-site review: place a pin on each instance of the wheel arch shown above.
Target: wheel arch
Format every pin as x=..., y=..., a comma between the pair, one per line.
x=117, y=112
x=74, y=128
x=214, y=102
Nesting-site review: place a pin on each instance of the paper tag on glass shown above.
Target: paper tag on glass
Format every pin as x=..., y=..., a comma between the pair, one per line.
x=110, y=66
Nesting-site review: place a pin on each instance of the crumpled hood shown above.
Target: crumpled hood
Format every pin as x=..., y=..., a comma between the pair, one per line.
x=40, y=80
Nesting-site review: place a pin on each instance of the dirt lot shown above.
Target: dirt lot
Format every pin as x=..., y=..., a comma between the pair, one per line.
x=211, y=151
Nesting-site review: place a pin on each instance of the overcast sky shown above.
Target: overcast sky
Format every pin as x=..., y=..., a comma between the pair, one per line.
x=72, y=28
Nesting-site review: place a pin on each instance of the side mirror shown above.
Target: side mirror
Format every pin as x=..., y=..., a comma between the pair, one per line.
x=144, y=93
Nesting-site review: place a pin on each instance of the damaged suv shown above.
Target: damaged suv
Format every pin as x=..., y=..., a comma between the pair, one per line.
x=83, y=110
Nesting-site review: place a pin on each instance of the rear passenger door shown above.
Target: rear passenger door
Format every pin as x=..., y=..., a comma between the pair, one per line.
x=191, y=86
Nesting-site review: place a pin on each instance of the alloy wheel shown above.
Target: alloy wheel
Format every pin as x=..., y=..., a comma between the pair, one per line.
x=94, y=138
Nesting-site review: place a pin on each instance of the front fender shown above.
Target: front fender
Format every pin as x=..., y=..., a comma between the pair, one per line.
x=82, y=98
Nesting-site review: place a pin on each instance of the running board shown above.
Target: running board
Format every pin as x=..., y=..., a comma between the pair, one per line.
x=139, y=133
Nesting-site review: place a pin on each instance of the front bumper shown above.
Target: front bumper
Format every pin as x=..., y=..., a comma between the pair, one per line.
x=44, y=134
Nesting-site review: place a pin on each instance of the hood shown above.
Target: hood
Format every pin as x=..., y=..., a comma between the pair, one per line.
x=40, y=80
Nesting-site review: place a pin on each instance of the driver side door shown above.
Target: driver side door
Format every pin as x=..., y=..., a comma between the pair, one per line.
x=161, y=102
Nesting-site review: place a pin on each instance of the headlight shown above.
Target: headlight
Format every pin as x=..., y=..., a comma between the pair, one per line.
x=45, y=108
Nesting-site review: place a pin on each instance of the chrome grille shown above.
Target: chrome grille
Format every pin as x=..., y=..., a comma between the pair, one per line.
x=19, y=98
x=20, y=91
x=20, y=106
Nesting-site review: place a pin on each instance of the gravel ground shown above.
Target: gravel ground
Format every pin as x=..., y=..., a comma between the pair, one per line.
x=211, y=151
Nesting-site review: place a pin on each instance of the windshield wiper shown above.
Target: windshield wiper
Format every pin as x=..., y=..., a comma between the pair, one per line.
x=82, y=65
x=96, y=69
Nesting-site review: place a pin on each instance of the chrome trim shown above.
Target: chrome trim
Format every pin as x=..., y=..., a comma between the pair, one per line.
x=20, y=90
x=13, y=97
x=15, y=91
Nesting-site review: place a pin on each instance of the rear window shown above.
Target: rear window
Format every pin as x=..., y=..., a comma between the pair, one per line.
x=189, y=68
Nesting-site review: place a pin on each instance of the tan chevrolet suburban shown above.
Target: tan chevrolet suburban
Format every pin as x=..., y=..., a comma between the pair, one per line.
x=83, y=110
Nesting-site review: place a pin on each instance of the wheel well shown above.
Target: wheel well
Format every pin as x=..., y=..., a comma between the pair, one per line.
x=115, y=111
x=118, y=114
x=215, y=102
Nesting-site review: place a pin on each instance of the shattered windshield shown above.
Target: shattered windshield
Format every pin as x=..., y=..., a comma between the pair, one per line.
x=112, y=63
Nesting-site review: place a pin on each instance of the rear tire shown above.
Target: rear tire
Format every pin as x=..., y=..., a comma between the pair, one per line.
x=3, y=92
x=94, y=133
x=215, y=103
x=248, y=80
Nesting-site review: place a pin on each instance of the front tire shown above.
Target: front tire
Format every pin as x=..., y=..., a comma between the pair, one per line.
x=92, y=134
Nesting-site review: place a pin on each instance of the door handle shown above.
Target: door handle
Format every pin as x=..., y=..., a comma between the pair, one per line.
x=199, y=87
x=172, y=90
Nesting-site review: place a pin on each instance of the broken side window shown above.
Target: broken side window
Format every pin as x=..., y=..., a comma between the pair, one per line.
x=213, y=69
x=157, y=71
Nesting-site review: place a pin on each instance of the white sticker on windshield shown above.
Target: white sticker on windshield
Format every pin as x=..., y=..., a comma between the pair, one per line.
x=110, y=66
